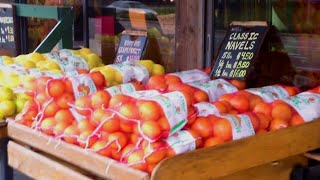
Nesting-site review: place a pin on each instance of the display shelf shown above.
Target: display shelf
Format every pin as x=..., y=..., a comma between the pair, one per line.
x=273, y=154
x=39, y=166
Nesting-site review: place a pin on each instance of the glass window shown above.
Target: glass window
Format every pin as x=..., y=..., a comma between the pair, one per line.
x=107, y=20
x=291, y=51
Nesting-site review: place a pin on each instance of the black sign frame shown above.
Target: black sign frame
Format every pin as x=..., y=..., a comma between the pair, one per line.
x=239, y=49
x=131, y=46
x=9, y=28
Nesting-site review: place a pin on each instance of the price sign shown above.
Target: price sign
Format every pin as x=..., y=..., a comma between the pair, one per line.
x=8, y=34
x=240, y=46
x=131, y=47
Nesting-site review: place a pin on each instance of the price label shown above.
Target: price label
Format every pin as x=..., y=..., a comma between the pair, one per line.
x=8, y=26
x=242, y=41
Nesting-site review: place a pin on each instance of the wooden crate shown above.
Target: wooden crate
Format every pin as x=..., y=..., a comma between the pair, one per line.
x=265, y=156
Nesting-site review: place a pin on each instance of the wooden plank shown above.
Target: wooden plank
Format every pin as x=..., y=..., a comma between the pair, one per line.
x=280, y=170
x=91, y=162
x=214, y=162
x=37, y=166
x=189, y=34
x=313, y=156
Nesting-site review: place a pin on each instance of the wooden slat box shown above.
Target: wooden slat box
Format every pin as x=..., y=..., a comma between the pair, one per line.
x=262, y=156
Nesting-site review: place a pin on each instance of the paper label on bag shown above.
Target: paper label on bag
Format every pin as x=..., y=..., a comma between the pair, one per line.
x=241, y=126
x=181, y=142
x=143, y=94
x=306, y=104
x=64, y=64
x=78, y=62
x=141, y=73
x=125, y=70
x=269, y=93
x=215, y=88
x=52, y=75
x=71, y=73
x=82, y=85
x=204, y=109
x=191, y=76
x=121, y=89
x=65, y=53
x=52, y=55
x=34, y=72
x=15, y=68
x=174, y=106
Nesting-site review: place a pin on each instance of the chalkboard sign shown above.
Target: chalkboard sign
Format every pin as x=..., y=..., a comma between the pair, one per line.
x=131, y=46
x=8, y=27
x=240, y=46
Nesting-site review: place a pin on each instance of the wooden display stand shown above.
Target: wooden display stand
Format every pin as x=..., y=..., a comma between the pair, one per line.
x=266, y=156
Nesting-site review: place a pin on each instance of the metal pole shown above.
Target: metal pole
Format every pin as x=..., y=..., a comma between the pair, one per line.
x=85, y=23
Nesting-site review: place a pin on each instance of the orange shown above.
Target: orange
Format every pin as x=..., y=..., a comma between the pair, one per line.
x=85, y=125
x=264, y=108
x=83, y=137
x=226, y=97
x=222, y=129
x=203, y=127
x=100, y=148
x=238, y=84
x=115, y=154
x=188, y=97
x=137, y=158
x=51, y=109
x=68, y=84
x=213, y=141
x=100, y=99
x=83, y=71
x=83, y=105
x=151, y=167
x=255, y=121
x=156, y=152
x=64, y=115
x=164, y=123
x=118, y=100
x=200, y=96
x=149, y=110
x=227, y=105
x=41, y=98
x=151, y=129
x=71, y=133
x=137, y=86
x=187, y=88
x=278, y=124
x=157, y=82
x=126, y=126
x=59, y=128
x=56, y=88
x=221, y=107
x=281, y=111
x=98, y=79
x=47, y=125
x=99, y=115
x=30, y=114
x=64, y=100
x=127, y=151
x=296, y=120
x=254, y=100
x=119, y=139
x=192, y=115
x=134, y=138
x=291, y=90
x=174, y=87
x=264, y=120
x=170, y=79
x=240, y=103
x=129, y=110
x=41, y=83
x=111, y=125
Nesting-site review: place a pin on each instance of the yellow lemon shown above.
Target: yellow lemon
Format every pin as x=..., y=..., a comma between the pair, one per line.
x=93, y=59
x=118, y=77
x=85, y=51
x=6, y=94
x=28, y=64
x=52, y=65
x=7, y=60
x=157, y=69
x=21, y=58
x=35, y=57
x=148, y=64
x=7, y=108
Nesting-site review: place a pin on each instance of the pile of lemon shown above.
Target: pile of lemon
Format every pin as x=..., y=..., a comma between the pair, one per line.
x=114, y=77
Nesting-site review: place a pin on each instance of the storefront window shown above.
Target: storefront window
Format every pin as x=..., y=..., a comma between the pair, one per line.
x=107, y=20
x=292, y=44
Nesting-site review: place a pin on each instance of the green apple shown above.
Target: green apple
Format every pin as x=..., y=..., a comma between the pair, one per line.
x=7, y=108
x=6, y=94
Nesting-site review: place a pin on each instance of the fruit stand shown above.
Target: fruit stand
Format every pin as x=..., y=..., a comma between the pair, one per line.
x=266, y=156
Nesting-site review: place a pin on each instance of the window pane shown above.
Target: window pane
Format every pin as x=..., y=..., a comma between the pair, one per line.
x=107, y=20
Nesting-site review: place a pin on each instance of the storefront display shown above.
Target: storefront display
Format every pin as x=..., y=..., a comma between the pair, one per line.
x=120, y=110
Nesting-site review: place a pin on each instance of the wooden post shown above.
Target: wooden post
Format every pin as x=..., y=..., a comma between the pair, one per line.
x=6, y=173
x=189, y=34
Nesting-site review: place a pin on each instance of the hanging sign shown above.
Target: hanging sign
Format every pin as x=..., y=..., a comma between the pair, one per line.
x=239, y=49
x=131, y=46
